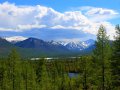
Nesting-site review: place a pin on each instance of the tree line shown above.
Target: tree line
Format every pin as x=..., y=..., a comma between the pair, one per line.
x=98, y=71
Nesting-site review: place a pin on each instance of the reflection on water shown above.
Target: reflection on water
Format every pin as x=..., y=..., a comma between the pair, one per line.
x=72, y=75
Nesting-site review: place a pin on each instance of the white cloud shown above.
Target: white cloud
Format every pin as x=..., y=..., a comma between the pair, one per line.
x=58, y=27
x=6, y=29
x=29, y=27
x=70, y=40
x=99, y=14
x=87, y=19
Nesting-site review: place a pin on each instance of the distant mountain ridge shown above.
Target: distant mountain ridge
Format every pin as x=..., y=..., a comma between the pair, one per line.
x=37, y=47
x=38, y=43
x=33, y=51
x=75, y=46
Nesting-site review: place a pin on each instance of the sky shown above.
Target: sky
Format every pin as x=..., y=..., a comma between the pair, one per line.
x=71, y=20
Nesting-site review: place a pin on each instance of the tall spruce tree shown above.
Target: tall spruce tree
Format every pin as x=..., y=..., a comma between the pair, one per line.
x=45, y=82
x=39, y=70
x=14, y=72
x=102, y=55
x=116, y=59
x=2, y=71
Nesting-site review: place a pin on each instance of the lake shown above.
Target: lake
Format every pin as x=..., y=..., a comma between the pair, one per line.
x=72, y=75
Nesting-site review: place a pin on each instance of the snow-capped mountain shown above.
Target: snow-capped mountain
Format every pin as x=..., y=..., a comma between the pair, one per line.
x=79, y=45
x=34, y=43
x=76, y=45
x=70, y=45
x=15, y=39
x=63, y=43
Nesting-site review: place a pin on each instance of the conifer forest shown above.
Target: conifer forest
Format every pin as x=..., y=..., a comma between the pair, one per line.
x=99, y=70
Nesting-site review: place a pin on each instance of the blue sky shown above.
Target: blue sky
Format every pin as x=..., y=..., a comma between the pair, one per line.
x=58, y=19
x=63, y=5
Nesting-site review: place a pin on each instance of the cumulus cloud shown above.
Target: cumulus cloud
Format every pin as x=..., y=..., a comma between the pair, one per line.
x=22, y=18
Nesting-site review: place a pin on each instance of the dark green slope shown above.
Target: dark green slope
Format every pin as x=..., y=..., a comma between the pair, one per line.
x=5, y=48
x=41, y=45
x=33, y=47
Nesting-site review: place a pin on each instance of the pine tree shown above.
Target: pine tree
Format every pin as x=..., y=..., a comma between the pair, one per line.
x=45, y=82
x=14, y=72
x=39, y=70
x=102, y=55
x=2, y=71
x=116, y=59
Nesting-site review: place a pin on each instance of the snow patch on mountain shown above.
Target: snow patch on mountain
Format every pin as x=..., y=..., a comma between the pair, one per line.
x=79, y=45
x=15, y=39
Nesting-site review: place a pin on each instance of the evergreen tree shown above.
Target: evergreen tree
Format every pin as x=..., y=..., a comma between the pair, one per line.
x=45, y=82
x=116, y=59
x=14, y=72
x=39, y=70
x=2, y=71
x=102, y=55
x=31, y=77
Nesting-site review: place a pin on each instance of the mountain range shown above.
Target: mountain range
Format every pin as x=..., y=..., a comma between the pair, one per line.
x=75, y=46
x=37, y=47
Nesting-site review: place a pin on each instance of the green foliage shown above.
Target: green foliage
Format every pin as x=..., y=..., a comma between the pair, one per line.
x=97, y=72
x=116, y=59
x=102, y=55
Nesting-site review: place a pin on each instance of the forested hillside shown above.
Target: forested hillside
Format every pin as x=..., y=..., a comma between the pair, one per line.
x=33, y=47
x=98, y=71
